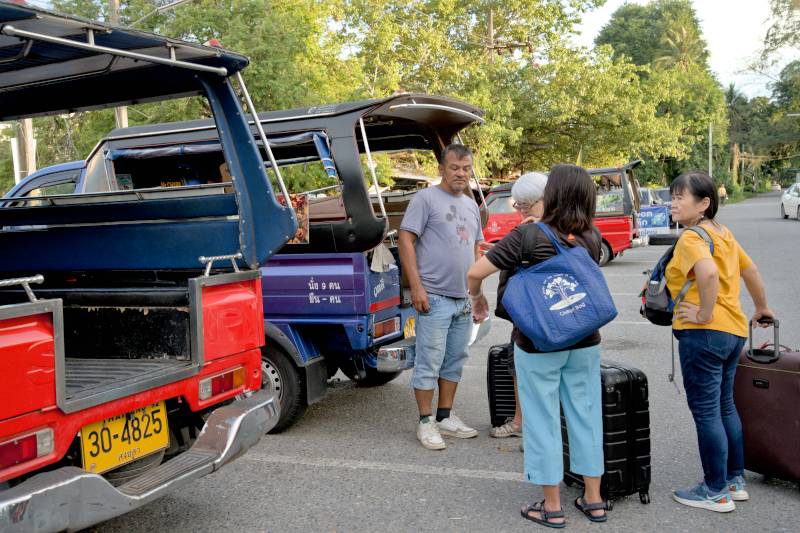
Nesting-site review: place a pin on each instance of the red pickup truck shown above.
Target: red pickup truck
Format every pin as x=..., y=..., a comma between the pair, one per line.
x=131, y=322
x=616, y=215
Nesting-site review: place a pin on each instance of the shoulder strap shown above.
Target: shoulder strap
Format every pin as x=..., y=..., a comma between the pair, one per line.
x=704, y=235
x=707, y=238
x=530, y=233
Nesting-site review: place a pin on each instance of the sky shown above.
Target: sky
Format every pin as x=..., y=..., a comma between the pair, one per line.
x=733, y=29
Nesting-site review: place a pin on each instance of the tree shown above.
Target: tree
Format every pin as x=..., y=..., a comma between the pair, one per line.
x=784, y=30
x=632, y=33
x=680, y=47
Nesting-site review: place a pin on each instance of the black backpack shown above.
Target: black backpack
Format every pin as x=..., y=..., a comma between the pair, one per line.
x=658, y=305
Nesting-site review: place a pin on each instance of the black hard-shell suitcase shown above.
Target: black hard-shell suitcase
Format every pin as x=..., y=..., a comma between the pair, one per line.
x=767, y=394
x=626, y=434
x=500, y=384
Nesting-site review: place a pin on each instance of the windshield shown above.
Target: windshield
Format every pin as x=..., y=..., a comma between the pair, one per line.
x=500, y=204
x=663, y=195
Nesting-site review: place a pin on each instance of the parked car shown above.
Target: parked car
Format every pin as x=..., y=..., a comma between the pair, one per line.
x=662, y=196
x=647, y=197
x=790, y=202
x=616, y=215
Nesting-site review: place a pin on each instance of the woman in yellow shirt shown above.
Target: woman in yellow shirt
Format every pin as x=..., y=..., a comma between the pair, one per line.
x=711, y=330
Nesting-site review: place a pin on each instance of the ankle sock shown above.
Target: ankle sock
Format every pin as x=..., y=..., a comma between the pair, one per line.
x=424, y=418
x=442, y=413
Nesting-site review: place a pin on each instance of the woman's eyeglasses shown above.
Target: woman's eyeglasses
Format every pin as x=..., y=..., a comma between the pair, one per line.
x=521, y=206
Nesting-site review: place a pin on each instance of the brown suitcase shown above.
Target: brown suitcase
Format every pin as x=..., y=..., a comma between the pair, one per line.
x=767, y=396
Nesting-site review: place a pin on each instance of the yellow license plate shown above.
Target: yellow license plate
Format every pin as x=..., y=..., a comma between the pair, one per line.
x=124, y=438
x=409, y=329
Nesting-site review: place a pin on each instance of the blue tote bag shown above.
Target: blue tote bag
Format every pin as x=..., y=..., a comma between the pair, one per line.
x=560, y=301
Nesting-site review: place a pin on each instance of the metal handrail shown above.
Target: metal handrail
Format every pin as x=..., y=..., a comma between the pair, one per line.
x=474, y=175
x=25, y=282
x=208, y=261
x=11, y=31
x=372, y=171
x=263, y=136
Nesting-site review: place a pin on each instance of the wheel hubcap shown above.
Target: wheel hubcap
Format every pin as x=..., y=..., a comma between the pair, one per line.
x=271, y=378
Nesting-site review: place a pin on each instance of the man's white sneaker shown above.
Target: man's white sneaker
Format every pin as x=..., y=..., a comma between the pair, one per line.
x=452, y=426
x=428, y=435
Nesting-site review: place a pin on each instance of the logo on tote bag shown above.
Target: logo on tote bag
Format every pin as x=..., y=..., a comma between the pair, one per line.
x=564, y=286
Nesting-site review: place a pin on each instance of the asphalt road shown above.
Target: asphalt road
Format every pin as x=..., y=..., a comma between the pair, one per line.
x=353, y=462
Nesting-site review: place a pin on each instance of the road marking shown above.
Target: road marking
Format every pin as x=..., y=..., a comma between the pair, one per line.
x=326, y=462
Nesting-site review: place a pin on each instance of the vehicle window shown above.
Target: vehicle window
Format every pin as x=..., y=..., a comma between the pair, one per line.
x=663, y=195
x=60, y=183
x=610, y=196
x=498, y=204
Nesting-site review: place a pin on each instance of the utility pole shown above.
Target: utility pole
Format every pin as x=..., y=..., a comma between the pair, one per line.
x=27, y=148
x=490, y=39
x=121, y=112
x=491, y=46
x=710, y=137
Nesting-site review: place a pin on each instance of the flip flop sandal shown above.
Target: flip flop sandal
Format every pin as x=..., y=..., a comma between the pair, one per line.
x=587, y=508
x=538, y=507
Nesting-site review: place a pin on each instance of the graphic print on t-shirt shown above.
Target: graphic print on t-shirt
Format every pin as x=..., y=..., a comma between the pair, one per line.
x=460, y=226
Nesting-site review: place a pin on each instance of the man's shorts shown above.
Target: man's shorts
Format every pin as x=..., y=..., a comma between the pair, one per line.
x=442, y=338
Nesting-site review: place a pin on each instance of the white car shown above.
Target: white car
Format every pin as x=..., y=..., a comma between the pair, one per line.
x=790, y=202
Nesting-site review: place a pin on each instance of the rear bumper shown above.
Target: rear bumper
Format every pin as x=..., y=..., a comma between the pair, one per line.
x=71, y=499
x=396, y=356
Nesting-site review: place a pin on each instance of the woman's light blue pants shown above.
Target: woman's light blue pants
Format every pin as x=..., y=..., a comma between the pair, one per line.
x=573, y=378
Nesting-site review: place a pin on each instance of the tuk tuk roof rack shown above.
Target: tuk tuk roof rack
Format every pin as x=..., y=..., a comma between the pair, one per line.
x=52, y=63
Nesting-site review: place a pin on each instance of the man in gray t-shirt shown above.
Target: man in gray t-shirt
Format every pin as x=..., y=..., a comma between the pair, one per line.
x=439, y=239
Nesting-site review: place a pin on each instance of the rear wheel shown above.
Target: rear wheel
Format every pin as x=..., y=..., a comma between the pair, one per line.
x=798, y=212
x=372, y=377
x=605, y=253
x=783, y=212
x=280, y=375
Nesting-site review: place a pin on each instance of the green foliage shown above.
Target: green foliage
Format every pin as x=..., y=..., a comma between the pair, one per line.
x=784, y=30
x=545, y=101
x=665, y=32
x=6, y=161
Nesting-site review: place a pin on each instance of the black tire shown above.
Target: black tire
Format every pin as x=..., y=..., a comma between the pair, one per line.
x=279, y=374
x=798, y=212
x=372, y=379
x=606, y=255
x=783, y=212
x=663, y=239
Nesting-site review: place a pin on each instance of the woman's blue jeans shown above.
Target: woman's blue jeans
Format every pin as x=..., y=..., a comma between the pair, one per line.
x=708, y=363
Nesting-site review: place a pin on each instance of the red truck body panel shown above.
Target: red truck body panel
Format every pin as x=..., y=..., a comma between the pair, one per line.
x=233, y=332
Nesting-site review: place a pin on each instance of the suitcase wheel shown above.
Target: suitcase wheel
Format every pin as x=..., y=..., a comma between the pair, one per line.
x=644, y=497
x=568, y=482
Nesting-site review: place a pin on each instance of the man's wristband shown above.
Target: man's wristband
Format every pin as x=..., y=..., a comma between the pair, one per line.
x=476, y=296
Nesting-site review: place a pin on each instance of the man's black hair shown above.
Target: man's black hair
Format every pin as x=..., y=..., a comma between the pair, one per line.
x=461, y=151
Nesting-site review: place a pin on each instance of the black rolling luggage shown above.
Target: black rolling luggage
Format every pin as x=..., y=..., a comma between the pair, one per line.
x=626, y=423
x=626, y=434
x=500, y=384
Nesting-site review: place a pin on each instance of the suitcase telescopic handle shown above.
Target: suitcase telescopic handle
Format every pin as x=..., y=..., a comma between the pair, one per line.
x=762, y=357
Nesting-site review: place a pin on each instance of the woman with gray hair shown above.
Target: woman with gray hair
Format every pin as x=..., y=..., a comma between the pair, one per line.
x=527, y=193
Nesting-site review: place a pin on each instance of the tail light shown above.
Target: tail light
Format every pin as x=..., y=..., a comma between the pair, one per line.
x=27, y=448
x=385, y=327
x=221, y=383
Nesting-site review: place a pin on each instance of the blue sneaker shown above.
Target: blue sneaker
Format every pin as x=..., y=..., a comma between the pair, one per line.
x=702, y=498
x=738, y=489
